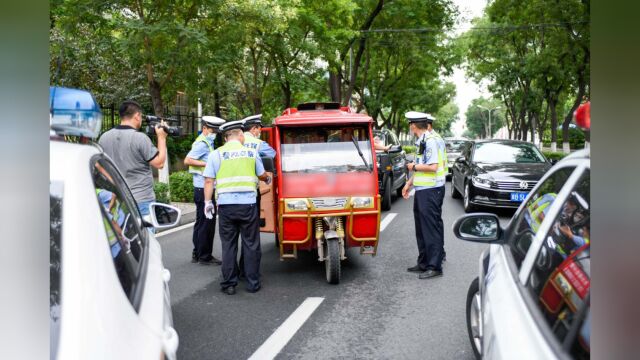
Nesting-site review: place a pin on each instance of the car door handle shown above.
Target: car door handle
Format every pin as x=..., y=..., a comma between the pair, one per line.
x=166, y=275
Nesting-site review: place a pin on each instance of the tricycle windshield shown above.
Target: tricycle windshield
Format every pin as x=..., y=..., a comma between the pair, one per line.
x=325, y=149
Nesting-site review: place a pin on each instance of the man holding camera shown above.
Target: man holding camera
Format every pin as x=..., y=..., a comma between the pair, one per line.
x=134, y=154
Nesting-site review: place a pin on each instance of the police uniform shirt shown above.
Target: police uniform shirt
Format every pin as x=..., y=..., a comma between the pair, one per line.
x=430, y=156
x=264, y=149
x=199, y=151
x=244, y=197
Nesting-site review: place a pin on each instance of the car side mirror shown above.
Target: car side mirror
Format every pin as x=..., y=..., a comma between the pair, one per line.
x=461, y=159
x=163, y=216
x=553, y=161
x=478, y=227
x=267, y=162
x=395, y=149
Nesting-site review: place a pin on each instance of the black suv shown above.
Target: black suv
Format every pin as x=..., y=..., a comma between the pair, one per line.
x=392, y=168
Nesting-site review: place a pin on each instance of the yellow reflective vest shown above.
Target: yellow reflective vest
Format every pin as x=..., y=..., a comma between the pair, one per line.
x=430, y=179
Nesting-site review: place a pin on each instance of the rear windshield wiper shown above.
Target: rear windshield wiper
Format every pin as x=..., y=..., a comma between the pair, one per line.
x=366, y=164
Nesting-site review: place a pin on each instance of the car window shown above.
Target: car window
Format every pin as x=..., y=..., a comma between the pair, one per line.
x=122, y=222
x=55, y=264
x=493, y=152
x=561, y=277
x=392, y=139
x=531, y=215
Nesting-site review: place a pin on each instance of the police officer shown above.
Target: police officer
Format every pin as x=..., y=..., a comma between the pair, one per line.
x=429, y=177
x=204, y=229
x=252, y=128
x=236, y=171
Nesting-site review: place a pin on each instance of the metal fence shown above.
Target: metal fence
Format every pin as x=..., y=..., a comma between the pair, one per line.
x=111, y=119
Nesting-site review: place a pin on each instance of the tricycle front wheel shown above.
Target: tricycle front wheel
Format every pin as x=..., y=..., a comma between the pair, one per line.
x=332, y=260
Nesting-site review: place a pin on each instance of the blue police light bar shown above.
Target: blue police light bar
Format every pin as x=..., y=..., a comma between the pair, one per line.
x=74, y=112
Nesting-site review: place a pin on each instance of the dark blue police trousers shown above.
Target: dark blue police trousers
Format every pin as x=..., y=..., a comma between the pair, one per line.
x=233, y=221
x=427, y=213
x=204, y=229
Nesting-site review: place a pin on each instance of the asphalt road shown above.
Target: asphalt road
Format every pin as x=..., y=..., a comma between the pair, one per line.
x=378, y=311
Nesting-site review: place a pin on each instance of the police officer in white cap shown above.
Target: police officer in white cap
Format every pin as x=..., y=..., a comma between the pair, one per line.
x=429, y=177
x=204, y=229
x=236, y=170
x=252, y=128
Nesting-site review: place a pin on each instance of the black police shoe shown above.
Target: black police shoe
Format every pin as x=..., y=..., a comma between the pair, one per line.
x=194, y=257
x=254, y=290
x=212, y=261
x=430, y=274
x=231, y=290
x=416, y=268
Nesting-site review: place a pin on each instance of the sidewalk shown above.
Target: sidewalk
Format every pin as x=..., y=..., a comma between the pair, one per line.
x=188, y=212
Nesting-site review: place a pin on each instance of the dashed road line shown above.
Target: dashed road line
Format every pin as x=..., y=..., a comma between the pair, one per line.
x=277, y=341
x=387, y=220
x=171, y=231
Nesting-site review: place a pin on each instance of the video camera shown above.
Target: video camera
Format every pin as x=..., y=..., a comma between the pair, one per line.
x=152, y=121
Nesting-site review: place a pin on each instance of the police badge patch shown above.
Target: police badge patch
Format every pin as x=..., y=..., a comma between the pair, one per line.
x=428, y=154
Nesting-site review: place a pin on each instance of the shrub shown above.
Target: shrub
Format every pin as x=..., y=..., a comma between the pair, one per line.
x=409, y=149
x=554, y=155
x=162, y=192
x=178, y=148
x=181, y=185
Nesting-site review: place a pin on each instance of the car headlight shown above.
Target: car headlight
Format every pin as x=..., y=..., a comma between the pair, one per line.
x=361, y=202
x=481, y=182
x=297, y=204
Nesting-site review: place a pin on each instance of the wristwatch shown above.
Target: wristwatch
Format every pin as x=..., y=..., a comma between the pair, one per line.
x=414, y=167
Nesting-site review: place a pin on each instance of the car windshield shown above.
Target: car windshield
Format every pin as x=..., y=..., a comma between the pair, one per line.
x=492, y=152
x=454, y=145
x=325, y=149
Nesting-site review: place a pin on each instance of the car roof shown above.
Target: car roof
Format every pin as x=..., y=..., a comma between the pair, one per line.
x=321, y=117
x=68, y=159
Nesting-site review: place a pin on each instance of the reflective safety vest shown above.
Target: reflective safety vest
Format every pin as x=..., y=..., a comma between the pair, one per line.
x=199, y=169
x=538, y=207
x=251, y=141
x=430, y=179
x=237, y=171
x=115, y=210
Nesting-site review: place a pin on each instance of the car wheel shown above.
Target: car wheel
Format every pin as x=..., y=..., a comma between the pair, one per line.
x=386, y=196
x=468, y=207
x=474, y=317
x=454, y=192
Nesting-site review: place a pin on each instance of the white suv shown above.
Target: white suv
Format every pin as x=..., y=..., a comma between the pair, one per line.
x=531, y=299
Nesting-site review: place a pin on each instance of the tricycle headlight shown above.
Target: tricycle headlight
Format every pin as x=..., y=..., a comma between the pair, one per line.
x=297, y=204
x=480, y=182
x=361, y=202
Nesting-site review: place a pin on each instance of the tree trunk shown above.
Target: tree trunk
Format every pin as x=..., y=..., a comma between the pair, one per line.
x=335, y=82
x=553, y=103
x=286, y=94
x=156, y=97
x=569, y=116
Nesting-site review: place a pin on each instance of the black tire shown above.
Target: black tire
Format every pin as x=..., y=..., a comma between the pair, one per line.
x=468, y=206
x=473, y=294
x=277, y=242
x=454, y=192
x=332, y=261
x=386, y=195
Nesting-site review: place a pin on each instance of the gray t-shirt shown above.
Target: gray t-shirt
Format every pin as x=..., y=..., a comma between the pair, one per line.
x=131, y=151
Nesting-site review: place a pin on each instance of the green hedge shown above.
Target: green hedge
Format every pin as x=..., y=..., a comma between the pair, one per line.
x=181, y=184
x=554, y=155
x=162, y=192
x=409, y=149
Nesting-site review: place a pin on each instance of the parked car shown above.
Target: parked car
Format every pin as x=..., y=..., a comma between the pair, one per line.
x=497, y=173
x=454, y=150
x=531, y=299
x=392, y=169
x=109, y=293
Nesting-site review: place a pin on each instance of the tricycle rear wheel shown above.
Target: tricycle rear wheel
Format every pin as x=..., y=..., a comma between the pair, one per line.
x=332, y=260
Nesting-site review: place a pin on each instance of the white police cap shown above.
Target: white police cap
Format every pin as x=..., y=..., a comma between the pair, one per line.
x=416, y=116
x=252, y=120
x=231, y=125
x=213, y=122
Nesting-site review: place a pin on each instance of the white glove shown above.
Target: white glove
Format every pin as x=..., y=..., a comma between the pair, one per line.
x=268, y=181
x=209, y=209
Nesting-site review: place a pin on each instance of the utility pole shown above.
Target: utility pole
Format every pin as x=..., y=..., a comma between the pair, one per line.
x=490, y=135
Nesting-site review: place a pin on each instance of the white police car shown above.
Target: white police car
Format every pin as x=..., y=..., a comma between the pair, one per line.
x=109, y=294
x=532, y=297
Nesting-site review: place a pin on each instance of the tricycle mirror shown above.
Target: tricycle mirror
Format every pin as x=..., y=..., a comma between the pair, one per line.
x=267, y=162
x=479, y=227
x=395, y=149
x=163, y=216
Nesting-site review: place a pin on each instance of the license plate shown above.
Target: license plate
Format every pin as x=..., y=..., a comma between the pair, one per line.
x=518, y=196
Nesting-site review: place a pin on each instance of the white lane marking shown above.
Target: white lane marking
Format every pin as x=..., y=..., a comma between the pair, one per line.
x=276, y=342
x=171, y=231
x=386, y=221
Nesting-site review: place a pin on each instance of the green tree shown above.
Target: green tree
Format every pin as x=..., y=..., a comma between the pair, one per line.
x=478, y=118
